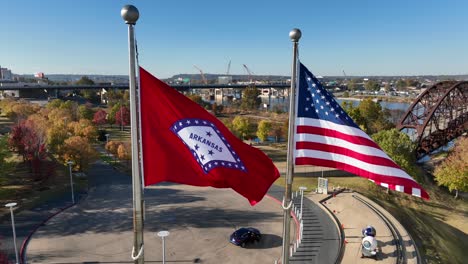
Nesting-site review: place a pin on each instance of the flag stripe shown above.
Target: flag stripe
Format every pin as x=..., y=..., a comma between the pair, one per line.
x=365, y=150
x=369, y=168
x=331, y=125
x=411, y=187
x=337, y=149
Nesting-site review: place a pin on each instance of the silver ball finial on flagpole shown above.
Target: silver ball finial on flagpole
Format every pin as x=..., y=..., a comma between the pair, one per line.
x=295, y=34
x=130, y=14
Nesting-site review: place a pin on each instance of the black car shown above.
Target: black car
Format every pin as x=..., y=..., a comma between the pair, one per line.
x=245, y=235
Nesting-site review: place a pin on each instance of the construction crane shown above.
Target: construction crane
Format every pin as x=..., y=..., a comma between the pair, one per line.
x=205, y=81
x=228, y=68
x=248, y=71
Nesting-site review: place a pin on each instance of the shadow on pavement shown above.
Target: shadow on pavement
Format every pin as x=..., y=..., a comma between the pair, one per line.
x=267, y=241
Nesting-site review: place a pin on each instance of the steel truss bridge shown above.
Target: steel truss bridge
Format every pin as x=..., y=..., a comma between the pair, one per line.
x=437, y=116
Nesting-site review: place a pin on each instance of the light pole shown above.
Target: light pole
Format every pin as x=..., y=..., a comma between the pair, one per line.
x=162, y=235
x=107, y=142
x=11, y=205
x=302, y=189
x=70, y=163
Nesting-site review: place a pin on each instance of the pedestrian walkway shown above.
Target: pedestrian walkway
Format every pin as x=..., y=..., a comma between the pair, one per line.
x=354, y=216
x=320, y=239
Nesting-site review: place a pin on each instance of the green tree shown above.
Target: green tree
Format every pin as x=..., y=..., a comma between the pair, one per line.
x=369, y=116
x=242, y=127
x=264, y=129
x=399, y=147
x=251, y=98
x=400, y=84
x=85, y=112
x=113, y=111
x=354, y=113
x=90, y=95
x=5, y=153
x=371, y=85
x=352, y=85
x=85, y=80
x=453, y=171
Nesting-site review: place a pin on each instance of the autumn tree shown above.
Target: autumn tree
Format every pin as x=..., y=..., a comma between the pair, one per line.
x=80, y=151
x=26, y=138
x=100, y=117
x=113, y=112
x=112, y=147
x=250, y=98
x=453, y=171
x=58, y=116
x=56, y=135
x=122, y=117
x=124, y=152
x=83, y=128
x=278, y=132
x=264, y=129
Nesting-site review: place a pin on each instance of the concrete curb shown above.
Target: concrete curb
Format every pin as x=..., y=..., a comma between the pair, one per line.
x=24, y=245
x=337, y=222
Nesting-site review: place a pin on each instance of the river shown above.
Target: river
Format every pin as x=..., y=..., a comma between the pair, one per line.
x=283, y=103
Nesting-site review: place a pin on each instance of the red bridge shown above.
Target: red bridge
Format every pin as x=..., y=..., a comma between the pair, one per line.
x=437, y=116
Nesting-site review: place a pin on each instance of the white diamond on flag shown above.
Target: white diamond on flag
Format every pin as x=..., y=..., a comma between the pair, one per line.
x=209, y=147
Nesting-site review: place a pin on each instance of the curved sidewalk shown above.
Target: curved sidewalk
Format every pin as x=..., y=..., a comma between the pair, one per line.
x=354, y=216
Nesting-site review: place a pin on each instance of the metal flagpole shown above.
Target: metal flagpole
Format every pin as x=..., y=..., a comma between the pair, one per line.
x=295, y=35
x=130, y=14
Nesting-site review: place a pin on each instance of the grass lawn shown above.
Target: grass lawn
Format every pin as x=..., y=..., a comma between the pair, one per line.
x=23, y=187
x=20, y=185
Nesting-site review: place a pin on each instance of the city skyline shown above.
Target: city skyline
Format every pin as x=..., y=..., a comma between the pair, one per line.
x=359, y=39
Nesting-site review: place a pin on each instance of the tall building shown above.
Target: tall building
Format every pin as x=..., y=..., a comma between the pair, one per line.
x=5, y=74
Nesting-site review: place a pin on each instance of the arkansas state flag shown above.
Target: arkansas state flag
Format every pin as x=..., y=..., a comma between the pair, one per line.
x=185, y=144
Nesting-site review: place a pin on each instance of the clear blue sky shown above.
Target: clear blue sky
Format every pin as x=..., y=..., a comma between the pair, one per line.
x=361, y=37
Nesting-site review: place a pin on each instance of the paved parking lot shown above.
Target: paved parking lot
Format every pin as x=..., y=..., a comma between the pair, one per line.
x=200, y=220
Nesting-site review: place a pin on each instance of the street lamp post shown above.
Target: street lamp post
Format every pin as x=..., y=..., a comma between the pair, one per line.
x=11, y=205
x=162, y=235
x=302, y=189
x=107, y=142
x=70, y=163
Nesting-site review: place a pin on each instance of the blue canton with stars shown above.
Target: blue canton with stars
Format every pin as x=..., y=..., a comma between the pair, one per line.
x=208, y=146
x=316, y=102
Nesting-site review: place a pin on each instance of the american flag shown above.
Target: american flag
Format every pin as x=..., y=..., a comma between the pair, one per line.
x=326, y=136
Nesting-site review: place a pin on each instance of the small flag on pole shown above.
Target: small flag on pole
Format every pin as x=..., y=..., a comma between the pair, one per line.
x=326, y=136
x=184, y=143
